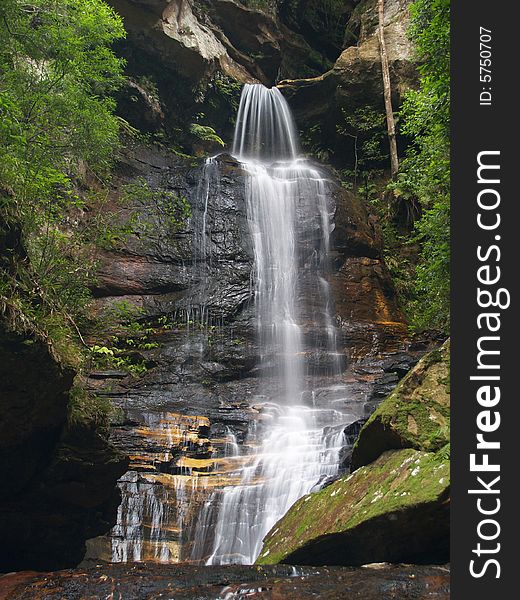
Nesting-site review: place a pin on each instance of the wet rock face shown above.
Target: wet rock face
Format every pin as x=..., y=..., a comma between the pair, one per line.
x=208, y=276
x=59, y=480
x=137, y=581
x=161, y=270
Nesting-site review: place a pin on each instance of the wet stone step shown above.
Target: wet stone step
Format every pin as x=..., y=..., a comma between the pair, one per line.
x=135, y=581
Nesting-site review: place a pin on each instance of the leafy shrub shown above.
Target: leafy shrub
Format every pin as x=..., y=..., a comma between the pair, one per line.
x=57, y=74
x=425, y=172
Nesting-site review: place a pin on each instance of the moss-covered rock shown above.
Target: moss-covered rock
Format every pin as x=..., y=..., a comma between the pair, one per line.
x=415, y=415
x=394, y=510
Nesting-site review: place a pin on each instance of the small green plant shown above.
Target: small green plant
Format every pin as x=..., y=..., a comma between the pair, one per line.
x=205, y=133
x=104, y=357
x=312, y=141
x=86, y=408
x=175, y=208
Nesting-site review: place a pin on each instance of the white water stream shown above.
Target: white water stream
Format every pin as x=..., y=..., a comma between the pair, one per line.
x=299, y=445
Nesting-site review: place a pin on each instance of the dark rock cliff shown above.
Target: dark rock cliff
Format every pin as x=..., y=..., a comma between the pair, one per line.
x=59, y=478
x=161, y=272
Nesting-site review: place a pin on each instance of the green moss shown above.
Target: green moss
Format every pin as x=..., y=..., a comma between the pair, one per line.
x=397, y=481
x=415, y=415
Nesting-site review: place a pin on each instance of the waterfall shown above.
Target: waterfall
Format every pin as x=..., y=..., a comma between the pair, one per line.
x=297, y=443
x=210, y=498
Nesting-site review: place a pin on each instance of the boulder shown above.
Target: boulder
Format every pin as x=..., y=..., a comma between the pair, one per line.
x=394, y=510
x=415, y=415
x=59, y=480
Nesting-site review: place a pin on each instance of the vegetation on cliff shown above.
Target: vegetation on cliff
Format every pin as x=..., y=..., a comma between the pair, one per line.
x=425, y=173
x=58, y=135
x=57, y=74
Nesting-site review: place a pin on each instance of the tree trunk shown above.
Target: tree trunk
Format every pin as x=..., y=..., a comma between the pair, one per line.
x=394, y=161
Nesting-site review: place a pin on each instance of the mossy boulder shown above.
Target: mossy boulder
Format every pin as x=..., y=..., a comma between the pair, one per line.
x=394, y=510
x=415, y=415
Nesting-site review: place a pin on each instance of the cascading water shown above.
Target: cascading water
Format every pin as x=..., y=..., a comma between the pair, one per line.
x=297, y=444
x=193, y=495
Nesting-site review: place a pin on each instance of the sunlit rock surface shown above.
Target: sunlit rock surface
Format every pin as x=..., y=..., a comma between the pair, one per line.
x=395, y=509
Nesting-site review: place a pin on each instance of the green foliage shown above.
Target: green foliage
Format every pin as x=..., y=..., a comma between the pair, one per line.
x=425, y=172
x=174, y=208
x=367, y=129
x=104, y=357
x=327, y=18
x=312, y=142
x=150, y=87
x=123, y=311
x=85, y=407
x=206, y=133
x=131, y=334
x=56, y=122
x=228, y=89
